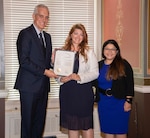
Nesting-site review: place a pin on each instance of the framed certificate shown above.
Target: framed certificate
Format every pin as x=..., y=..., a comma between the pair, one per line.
x=64, y=62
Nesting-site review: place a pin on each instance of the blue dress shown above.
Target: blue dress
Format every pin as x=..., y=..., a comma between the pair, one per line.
x=76, y=104
x=113, y=118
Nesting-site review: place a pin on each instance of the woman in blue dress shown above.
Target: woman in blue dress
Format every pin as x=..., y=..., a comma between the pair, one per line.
x=116, y=90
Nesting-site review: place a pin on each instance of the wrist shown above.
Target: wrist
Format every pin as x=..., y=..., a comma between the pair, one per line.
x=45, y=71
x=129, y=100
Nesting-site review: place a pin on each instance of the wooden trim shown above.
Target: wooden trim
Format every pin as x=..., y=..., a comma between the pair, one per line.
x=2, y=118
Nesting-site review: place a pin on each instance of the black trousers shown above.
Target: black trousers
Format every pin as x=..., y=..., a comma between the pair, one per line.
x=33, y=113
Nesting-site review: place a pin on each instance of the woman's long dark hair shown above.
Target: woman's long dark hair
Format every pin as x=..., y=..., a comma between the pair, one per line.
x=116, y=68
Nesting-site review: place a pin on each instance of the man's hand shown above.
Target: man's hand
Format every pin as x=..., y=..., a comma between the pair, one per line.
x=50, y=73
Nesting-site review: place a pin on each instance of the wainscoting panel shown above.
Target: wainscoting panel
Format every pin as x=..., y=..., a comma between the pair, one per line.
x=12, y=122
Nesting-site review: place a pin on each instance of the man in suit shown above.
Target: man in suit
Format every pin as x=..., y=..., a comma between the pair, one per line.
x=34, y=72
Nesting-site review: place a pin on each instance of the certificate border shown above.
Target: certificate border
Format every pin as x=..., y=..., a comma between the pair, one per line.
x=57, y=58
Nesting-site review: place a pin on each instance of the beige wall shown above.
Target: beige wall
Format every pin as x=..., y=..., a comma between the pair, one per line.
x=126, y=22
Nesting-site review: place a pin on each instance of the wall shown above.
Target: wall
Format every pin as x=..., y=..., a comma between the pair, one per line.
x=128, y=22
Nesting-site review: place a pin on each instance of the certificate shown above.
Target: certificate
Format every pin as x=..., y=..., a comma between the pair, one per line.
x=64, y=62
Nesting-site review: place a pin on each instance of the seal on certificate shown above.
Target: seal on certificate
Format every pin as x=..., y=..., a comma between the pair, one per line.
x=58, y=69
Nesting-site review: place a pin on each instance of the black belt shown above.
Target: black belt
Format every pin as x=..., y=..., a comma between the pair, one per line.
x=107, y=92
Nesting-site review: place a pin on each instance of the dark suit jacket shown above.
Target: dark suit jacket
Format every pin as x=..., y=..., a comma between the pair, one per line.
x=32, y=61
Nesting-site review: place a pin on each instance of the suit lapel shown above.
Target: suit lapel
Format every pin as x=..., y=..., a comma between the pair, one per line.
x=47, y=41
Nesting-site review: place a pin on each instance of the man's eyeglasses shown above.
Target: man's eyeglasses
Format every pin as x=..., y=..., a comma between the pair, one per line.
x=43, y=17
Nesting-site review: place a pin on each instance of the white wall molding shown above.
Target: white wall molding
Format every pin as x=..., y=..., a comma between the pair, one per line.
x=142, y=89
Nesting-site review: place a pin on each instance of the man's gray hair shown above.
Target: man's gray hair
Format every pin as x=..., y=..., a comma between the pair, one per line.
x=39, y=6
